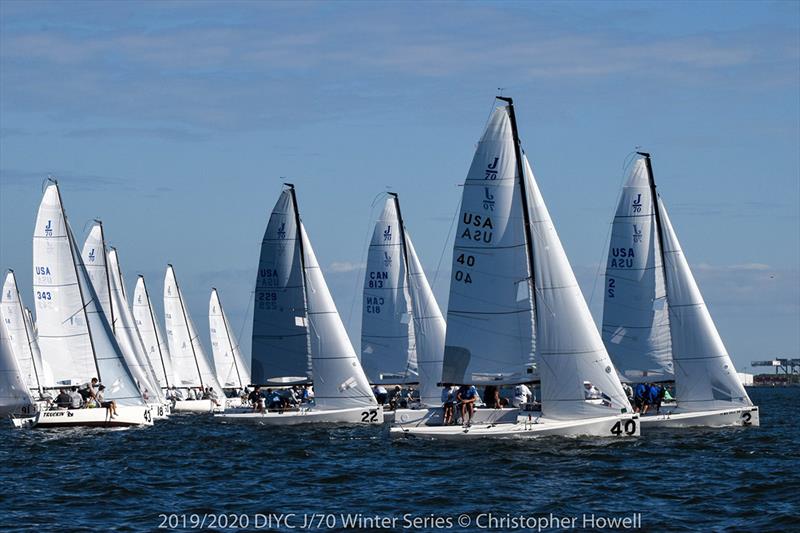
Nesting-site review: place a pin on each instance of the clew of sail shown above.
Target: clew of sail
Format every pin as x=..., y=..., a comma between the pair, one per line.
x=635, y=314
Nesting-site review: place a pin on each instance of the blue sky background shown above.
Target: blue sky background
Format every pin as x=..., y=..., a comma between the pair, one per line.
x=175, y=122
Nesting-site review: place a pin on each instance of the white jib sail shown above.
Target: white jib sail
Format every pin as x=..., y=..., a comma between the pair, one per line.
x=228, y=360
x=280, y=331
x=388, y=352
x=705, y=377
x=95, y=258
x=127, y=335
x=189, y=359
x=14, y=394
x=155, y=344
x=429, y=330
x=490, y=316
x=20, y=334
x=339, y=380
x=635, y=315
x=577, y=375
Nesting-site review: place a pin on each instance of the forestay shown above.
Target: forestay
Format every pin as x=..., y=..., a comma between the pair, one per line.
x=388, y=351
x=490, y=316
x=705, y=377
x=21, y=336
x=578, y=378
x=339, y=380
x=280, y=348
x=228, y=361
x=155, y=343
x=188, y=357
x=635, y=314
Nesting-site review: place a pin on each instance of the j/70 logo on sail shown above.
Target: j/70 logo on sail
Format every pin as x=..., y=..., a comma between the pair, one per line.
x=387, y=234
x=491, y=170
x=48, y=229
x=637, y=204
x=92, y=256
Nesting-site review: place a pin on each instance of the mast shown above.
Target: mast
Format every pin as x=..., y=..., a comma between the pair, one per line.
x=108, y=275
x=228, y=335
x=651, y=181
x=186, y=322
x=302, y=262
x=72, y=247
x=524, y=194
x=27, y=334
x=404, y=251
x=155, y=330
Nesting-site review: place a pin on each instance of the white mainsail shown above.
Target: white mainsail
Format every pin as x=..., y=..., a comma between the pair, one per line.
x=127, y=334
x=280, y=351
x=155, y=343
x=21, y=336
x=14, y=394
x=74, y=334
x=189, y=360
x=705, y=377
x=490, y=315
x=635, y=314
x=577, y=375
x=96, y=261
x=339, y=380
x=388, y=348
x=228, y=361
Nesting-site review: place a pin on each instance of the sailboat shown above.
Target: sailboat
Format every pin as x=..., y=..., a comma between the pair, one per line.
x=106, y=275
x=402, y=328
x=22, y=337
x=75, y=336
x=515, y=309
x=15, y=397
x=298, y=336
x=228, y=361
x=155, y=343
x=189, y=360
x=656, y=325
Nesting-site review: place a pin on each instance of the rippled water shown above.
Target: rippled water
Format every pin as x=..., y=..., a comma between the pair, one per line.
x=679, y=480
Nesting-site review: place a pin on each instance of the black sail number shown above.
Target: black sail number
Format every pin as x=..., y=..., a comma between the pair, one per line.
x=629, y=428
x=369, y=416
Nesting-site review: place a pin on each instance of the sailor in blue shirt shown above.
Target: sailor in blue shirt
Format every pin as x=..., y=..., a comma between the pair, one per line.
x=467, y=396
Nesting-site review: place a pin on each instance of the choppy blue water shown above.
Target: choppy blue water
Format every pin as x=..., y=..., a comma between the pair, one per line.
x=192, y=467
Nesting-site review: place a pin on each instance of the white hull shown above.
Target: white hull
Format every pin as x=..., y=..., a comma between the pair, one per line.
x=741, y=416
x=233, y=403
x=197, y=406
x=434, y=416
x=159, y=411
x=95, y=417
x=626, y=425
x=358, y=415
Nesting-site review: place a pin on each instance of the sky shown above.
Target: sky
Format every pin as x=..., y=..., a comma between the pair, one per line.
x=177, y=122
